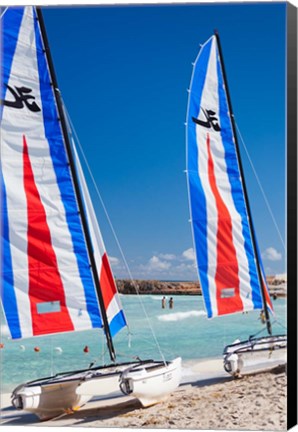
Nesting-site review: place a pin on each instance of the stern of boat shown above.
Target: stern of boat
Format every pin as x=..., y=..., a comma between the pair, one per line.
x=48, y=401
x=151, y=383
x=255, y=354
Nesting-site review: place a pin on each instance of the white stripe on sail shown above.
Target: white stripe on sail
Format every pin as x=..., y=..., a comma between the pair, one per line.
x=114, y=307
x=97, y=240
x=98, y=243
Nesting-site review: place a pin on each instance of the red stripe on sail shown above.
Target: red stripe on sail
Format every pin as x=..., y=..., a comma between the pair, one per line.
x=45, y=284
x=226, y=275
x=107, y=282
x=267, y=296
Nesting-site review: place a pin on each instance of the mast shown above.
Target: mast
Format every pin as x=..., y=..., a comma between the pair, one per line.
x=76, y=186
x=268, y=323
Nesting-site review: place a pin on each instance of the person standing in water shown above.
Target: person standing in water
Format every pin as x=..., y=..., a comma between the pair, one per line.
x=163, y=302
x=171, y=303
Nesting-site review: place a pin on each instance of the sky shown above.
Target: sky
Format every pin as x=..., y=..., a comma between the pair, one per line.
x=123, y=72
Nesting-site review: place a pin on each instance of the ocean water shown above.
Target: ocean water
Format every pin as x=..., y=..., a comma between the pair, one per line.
x=153, y=332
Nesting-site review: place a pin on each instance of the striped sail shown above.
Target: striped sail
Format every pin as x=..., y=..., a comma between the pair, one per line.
x=222, y=232
x=115, y=315
x=46, y=282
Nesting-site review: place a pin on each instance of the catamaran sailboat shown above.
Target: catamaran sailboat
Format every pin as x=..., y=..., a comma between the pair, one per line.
x=228, y=259
x=56, y=275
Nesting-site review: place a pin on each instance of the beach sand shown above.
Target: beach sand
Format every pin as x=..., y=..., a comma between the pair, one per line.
x=205, y=400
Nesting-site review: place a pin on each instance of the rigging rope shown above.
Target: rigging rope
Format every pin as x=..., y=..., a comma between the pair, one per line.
x=3, y=13
x=265, y=199
x=52, y=356
x=279, y=323
x=261, y=188
x=114, y=234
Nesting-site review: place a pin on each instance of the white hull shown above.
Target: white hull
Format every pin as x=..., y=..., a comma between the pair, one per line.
x=50, y=397
x=151, y=383
x=255, y=354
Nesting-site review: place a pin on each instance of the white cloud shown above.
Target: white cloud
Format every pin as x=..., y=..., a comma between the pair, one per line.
x=165, y=266
x=167, y=257
x=271, y=254
x=186, y=267
x=156, y=263
x=189, y=254
x=118, y=268
x=114, y=261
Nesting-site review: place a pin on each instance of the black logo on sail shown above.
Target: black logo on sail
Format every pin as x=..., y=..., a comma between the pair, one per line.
x=22, y=97
x=210, y=122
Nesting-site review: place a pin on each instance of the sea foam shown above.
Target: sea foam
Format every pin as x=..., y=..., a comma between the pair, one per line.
x=4, y=330
x=178, y=316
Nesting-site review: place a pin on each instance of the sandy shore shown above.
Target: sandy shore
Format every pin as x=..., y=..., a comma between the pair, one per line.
x=206, y=399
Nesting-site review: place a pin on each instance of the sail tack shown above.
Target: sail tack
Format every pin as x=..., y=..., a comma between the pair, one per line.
x=222, y=231
x=47, y=285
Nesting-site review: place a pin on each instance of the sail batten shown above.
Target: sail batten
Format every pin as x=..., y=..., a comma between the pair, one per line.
x=225, y=253
x=47, y=283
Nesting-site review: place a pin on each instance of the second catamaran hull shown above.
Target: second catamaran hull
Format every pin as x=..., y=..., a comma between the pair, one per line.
x=151, y=383
x=255, y=354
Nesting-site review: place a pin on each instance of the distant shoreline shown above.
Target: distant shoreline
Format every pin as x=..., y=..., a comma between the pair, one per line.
x=156, y=287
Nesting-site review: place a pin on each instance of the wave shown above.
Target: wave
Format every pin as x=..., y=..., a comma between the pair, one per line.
x=158, y=297
x=178, y=316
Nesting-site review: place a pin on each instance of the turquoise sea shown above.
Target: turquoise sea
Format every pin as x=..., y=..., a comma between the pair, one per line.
x=182, y=331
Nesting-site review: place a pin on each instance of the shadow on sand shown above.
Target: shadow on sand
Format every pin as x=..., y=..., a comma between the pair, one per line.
x=87, y=415
x=11, y=417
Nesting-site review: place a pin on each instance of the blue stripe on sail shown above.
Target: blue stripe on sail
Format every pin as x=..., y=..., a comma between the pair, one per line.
x=76, y=167
x=7, y=279
x=236, y=186
x=117, y=323
x=64, y=181
x=260, y=304
x=11, y=23
x=197, y=195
